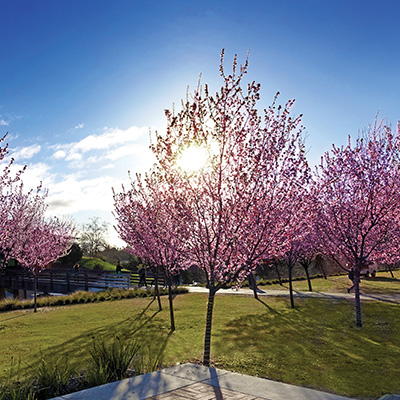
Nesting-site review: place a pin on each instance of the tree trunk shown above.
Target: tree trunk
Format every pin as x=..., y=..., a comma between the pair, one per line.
x=279, y=274
x=207, y=336
x=290, y=268
x=171, y=307
x=253, y=284
x=35, y=284
x=157, y=292
x=305, y=266
x=357, y=298
x=390, y=269
x=323, y=271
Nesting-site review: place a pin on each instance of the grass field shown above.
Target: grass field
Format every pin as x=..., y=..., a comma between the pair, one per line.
x=314, y=345
x=382, y=283
x=93, y=263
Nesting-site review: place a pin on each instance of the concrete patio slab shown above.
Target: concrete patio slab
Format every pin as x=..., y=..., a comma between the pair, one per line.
x=191, y=382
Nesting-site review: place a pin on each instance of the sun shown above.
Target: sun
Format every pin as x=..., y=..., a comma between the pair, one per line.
x=193, y=158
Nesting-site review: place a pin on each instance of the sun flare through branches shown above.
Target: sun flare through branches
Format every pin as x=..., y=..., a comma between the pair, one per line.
x=193, y=158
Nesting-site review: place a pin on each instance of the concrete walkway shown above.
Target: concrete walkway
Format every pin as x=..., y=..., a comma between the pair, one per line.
x=390, y=298
x=195, y=382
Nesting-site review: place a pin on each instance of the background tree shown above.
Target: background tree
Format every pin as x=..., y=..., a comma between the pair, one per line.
x=92, y=237
x=74, y=255
x=232, y=204
x=145, y=225
x=359, y=200
x=11, y=190
x=44, y=242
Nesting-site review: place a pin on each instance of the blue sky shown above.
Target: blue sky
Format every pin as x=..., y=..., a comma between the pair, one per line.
x=82, y=81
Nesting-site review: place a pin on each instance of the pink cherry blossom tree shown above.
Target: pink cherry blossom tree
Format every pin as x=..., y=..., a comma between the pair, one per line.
x=234, y=205
x=10, y=189
x=44, y=241
x=359, y=200
x=302, y=238
x=19, y=211
x=150, y=229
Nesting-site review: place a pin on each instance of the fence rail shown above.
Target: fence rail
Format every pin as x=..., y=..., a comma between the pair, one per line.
x=67, y=281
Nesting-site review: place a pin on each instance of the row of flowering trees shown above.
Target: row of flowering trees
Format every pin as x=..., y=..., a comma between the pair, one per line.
x=255, y=198
x=26, y=235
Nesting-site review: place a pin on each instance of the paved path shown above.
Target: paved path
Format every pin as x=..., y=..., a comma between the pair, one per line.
x=391, y=298
x=195, y=382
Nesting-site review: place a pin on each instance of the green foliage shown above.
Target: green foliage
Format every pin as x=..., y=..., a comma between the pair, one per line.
x=74, y=256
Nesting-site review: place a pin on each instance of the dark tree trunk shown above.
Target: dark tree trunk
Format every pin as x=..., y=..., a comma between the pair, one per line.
x=357, y=298
x=306, y=266
x=35, y=284
x=323, y=271
x=207, y=336
x=171, y=307
x=290, y=268
x=390, y=269
x=279, y=274
x=157, y=292
x=253, y=284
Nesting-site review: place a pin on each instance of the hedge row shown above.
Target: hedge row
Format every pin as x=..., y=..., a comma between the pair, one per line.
x=83, y=297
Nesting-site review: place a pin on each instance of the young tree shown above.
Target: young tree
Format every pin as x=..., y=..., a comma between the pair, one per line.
x=10, y=195
x=233, y=205
x=144, y=223
x=359, y=200
x=44, y=242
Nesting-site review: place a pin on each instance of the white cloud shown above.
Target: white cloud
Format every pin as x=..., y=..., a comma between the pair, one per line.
x=3, y=122
x=73, y=156
x=25, y=153
x=108, y=166
x=72, y=195
x=112, y=144
x=124, y=151
x=79, y=126
x=59, y=154
x=110, y=138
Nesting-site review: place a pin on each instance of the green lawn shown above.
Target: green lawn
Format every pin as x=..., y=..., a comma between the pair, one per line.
x=314, y=345
x=382, y=283
x=93, y=263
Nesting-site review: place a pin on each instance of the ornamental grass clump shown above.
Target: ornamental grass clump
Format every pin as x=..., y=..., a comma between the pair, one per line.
x=110, y=360
x=53, y=378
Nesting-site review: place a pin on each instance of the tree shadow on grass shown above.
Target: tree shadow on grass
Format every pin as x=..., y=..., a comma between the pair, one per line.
x=267, y=306
x=316, y=345
x=140, y=328
x=380, y=279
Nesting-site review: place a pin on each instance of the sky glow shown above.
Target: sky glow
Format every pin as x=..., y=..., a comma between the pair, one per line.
x=84, y=85
x=193, y=158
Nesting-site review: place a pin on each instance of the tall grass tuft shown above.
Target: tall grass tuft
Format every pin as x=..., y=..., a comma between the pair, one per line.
x=53, y=378
x=110, y=361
